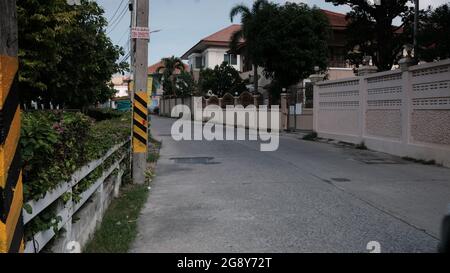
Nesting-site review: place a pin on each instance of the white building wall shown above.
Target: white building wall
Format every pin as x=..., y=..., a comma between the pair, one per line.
x=212, y=57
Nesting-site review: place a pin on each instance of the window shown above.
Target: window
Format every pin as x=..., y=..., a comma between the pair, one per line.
x=198, y=62
x=230, y=59
x=233, y=59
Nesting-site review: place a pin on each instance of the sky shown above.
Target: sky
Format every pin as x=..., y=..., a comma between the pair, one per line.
x=185, y=22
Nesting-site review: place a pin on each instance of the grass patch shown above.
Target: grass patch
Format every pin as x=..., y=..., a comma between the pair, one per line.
x=153, y=156
x=311, y=136
x=119, y=226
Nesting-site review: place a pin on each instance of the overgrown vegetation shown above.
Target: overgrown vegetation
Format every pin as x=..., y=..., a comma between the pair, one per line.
x=361, y=146
x=311, y=136
x=419, y=161
x=55, y=143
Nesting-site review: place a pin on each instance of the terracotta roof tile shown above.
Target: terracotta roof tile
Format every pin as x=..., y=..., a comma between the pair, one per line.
x=223, y=35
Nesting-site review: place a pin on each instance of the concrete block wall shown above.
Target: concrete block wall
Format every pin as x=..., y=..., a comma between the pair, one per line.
x=405, y=113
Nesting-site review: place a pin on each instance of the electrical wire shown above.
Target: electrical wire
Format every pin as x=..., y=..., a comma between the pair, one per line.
x=118, y=8
x=118, y=21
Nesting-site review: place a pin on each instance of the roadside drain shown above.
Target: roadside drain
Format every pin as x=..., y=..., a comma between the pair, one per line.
x=194, y=160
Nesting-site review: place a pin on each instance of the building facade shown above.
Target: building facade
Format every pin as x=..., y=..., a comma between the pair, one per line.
x=213, y=50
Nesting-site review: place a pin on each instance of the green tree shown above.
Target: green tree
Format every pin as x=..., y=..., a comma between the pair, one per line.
x=253, y=22
x=371, y=31
x=434, y=34
x=293, y=42
x=171, y=66
x=220, y=80
x=186, y=85
x=65, y=56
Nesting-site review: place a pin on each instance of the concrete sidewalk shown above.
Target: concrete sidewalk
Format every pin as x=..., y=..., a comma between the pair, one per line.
x=224, y=196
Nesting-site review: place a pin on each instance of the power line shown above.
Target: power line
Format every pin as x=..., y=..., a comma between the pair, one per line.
x=112, y=17
x=119, y=20
x=123, y=36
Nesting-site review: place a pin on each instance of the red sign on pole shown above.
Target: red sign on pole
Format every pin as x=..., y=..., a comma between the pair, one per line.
x=140, y=33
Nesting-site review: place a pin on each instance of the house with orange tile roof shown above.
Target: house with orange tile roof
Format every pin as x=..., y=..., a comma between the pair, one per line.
x=213, y=50
x=157, y=91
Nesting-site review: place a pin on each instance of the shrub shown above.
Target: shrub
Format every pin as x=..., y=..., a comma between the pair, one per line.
x=54, y=144
x=103, y=114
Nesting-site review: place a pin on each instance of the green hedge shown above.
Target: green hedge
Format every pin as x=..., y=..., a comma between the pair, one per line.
x=54, y=144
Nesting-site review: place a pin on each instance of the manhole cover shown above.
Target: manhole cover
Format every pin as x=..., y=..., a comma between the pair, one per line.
x=193, y=160
x=340, y=179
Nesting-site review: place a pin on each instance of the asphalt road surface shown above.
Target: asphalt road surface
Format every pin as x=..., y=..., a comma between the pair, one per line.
x=227, y=196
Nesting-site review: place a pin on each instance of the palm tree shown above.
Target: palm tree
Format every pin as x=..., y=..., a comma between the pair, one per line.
x=168, y=70
x=251, y=22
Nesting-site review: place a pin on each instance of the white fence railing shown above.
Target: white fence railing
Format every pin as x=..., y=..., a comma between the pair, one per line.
x=69, y=208
x=406, y=113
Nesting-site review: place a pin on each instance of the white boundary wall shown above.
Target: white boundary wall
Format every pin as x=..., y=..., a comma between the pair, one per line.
x=90, y=214
x=405, y=113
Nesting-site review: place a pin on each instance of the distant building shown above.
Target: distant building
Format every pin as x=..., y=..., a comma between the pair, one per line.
x=122, y=97
x=157, y=88
x=213, y=50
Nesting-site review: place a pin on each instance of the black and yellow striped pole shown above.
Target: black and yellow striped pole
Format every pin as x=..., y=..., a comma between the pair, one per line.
x=140, y=122
x=11, y=194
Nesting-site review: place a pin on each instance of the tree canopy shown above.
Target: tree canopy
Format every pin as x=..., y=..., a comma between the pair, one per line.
x=294, y=41
x=253, y=21
x=434, y=34
x=220, y=80
x=372, y=33
x=65, y=55
x=168, y=71
x=288, y=40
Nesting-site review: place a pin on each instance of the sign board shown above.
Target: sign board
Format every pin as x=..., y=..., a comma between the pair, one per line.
x=299, y=108
x=140, y=33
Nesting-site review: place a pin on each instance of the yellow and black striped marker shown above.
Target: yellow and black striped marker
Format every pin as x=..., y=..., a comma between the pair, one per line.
x=11, y=193
x=140, y=122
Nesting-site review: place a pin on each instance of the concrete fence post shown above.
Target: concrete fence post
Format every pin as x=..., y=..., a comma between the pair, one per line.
x=255, y=100
x=363, y=95
x=284, y=111
x=406, y=109
x=315, y=78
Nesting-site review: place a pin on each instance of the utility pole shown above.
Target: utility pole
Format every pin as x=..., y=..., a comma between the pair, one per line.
x=11, y=187
x=140, y=98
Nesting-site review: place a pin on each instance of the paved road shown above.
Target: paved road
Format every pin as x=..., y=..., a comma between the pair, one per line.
x=305, y=197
